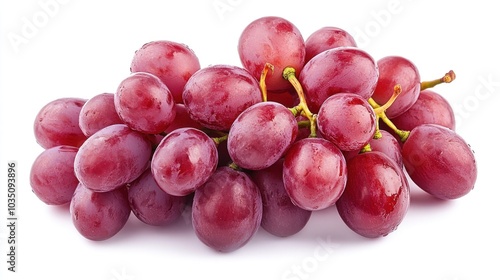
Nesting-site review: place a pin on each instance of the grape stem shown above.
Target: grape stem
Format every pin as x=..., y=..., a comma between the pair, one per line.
x=447, y=78
x=380, y=115
x=302, y=108
x=262, y=82
x=220, y=139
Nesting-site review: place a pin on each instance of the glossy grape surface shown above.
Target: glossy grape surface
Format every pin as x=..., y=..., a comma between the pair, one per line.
x=97, y=113
x=326, y=38
x=376, y=197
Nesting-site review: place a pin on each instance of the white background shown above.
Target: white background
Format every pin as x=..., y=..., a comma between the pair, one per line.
x=83, y=48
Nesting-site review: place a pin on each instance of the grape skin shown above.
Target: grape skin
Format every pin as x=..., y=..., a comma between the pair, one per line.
x=216, y=95
x=173, y=63
x=57, y=123
x=151, y=205
x=97, y=113
x=183, y=161
x=273, y=40
x=99, y=215
x=52, y=176
x=280, y=216
x=343, y=69
x=326, y=38
x=112, y=157
x=227, y=210
x=261, y=135
x=439, y=161
x=145, y=103
x=376, y=197
x=347, y=120
x=430, y=108
x=314, y=173
x=397, y=70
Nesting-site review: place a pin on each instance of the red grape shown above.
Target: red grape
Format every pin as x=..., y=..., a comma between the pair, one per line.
x=376, y=197
x=57, y=124
x=327, y=38
x=280, y=216
x=112, y=157
x=173, y=63
x=152, y=205
x=397, y=70
x=183, y=161
x=97, y=113
x=273, y=40
x=99, y=215
x=439, y=161
x=52, y=176
x=347, y=120
x=182, y=119
x=145, y=103
x=227, y=210
x=215, y=96
x=387, y=144
x=343, y=69
x=430, y=108
x=261, y=135
x=314, y=173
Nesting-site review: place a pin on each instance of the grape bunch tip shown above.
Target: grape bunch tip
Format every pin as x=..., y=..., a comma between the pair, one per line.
x=303, y=124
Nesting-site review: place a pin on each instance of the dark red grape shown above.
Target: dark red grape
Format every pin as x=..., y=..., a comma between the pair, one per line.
x=430, y=108
x=97, y=113
x=145, y=103
x=439, y=161
x=215, y=96
x=183, y=161
x=151, y=204
x=113, y=156
x=174, y=63
x=52, y=176
x=273, y=40
x=376, y=197
x=261, y=135
x=327, y=38
x=99, y=215
x=397, y=70
x=57, y=123
x=314, y=173
x=343, y=69
x=280, y=216
x=347, y=120
x=227, y=210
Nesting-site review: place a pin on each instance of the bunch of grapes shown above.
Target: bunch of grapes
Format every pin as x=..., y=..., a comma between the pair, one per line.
x=300, y=126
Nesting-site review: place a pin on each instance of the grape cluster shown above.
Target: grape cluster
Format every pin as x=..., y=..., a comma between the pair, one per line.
x=300, y=126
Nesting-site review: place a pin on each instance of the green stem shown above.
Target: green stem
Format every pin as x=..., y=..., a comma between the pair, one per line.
x=447, y=78
x=220, y=139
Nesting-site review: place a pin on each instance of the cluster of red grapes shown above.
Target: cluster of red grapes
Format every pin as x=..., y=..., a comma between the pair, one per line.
x=301, y=126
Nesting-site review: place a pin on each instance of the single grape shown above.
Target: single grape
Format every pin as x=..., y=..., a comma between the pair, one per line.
x=273, y=40
x=215, y=96
x=99, y=215
x=280, y=216
x=227, y=210
x=56, y=124
x=376, y=197
x=326, y=38
x=347, y=120
x=387, y=144
x=113, y=156
x=314, y=173
x=439, y=161
x=430, y=108
x=151, y=205
x=183, y=161
x=145, y=103
x=173, y=63
x=97, y=113
x=397, y=70
x=261, y=135
x=343, y=69
x=52, y=176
